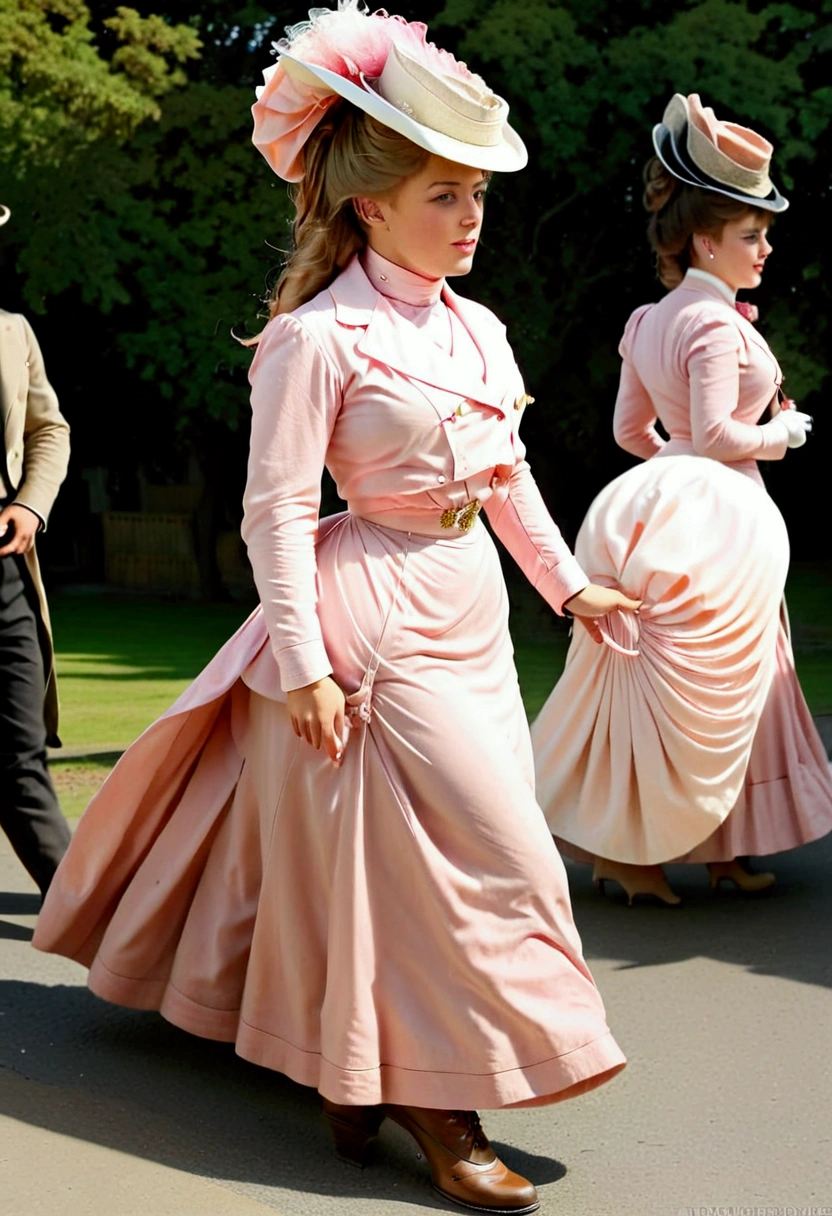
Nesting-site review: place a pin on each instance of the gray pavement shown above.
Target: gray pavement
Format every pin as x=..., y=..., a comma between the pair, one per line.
x=724, y=1008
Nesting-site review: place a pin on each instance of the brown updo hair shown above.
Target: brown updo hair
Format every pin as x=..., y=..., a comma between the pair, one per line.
x=678, y=211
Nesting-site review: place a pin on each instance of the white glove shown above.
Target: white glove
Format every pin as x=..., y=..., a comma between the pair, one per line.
x=797, y=425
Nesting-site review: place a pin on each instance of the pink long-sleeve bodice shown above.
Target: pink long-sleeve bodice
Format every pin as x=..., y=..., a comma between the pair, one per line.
x=699, y=367
x=413, y=405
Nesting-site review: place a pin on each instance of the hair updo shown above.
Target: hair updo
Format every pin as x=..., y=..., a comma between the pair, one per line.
x=678, y=211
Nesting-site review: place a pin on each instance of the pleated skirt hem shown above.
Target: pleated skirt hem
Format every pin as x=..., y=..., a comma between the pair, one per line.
x=542, y=1083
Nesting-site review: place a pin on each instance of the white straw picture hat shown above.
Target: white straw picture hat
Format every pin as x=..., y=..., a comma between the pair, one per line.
x=386, y=67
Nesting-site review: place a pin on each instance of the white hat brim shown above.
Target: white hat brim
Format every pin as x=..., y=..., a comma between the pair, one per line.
x=669, y=154
x=505, y=157
x=5, y=214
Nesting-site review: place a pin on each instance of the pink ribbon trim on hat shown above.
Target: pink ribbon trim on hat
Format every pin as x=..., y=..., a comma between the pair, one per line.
x=744, y=146
x=285, y=115
x=353, y=44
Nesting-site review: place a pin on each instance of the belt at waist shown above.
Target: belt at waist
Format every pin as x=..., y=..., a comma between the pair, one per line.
x=453, y=524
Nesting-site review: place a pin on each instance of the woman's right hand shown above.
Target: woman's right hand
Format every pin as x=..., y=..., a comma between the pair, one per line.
x=594, y=602
x=797, y=424
x=317, y=712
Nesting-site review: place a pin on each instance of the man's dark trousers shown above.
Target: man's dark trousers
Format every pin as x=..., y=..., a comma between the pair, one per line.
x=29, y=811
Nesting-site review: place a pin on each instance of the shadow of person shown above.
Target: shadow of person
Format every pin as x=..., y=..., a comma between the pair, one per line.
x=530, y=1165
x=130, y=1081
x=782, y=932
x=19, y=903
x=15, y=933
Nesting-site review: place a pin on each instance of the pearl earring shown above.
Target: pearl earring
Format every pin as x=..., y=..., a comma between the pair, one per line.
x=711, y=256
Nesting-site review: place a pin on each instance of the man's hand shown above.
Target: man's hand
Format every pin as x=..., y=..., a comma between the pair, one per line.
x=18, y=528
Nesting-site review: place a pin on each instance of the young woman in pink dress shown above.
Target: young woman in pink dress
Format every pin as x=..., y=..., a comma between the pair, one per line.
x=686, y=737
x=329, y=850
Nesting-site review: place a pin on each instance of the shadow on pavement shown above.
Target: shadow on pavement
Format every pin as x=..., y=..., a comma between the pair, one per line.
x=19, y=903
x=14, y=932
x=192, y=1104
x=782, y=932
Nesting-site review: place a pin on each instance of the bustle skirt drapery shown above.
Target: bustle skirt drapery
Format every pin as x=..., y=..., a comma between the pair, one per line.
x=394, y=930
x=685, y=736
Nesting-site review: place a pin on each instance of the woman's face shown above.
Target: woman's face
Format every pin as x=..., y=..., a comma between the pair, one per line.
x=739, y=255
x=431, y=223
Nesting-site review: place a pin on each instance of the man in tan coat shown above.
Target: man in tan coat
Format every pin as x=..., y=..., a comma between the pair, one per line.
x=33, y=463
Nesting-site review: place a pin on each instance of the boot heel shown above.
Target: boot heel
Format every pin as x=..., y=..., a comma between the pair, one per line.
x=352, y=1128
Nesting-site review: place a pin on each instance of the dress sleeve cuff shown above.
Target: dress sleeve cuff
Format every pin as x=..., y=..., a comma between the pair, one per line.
x=303, y=664
x=562, y=582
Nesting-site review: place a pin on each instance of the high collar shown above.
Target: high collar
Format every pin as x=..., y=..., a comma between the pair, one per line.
x=399, y=284
x=406, y=349
x=703, y=276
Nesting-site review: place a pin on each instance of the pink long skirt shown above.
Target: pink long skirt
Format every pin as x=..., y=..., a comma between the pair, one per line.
x=686, y=736
x=397, y=930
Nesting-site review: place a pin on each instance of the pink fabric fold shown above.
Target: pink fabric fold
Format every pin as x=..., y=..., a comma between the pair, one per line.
x=350, y=43
x=744, y=146
x=642, y=747
x=285, y=115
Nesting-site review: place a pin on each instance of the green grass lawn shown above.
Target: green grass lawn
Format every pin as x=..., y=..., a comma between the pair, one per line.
x=122, y=660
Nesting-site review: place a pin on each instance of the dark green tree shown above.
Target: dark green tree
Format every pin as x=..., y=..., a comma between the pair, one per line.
x=143, y=256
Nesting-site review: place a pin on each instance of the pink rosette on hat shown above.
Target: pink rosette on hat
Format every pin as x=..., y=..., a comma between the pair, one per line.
x=346, y=53
x=740, y=144
x=285, y=115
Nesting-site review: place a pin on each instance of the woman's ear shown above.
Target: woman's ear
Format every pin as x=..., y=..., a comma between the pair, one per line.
x=368, y=211
x=702, y=246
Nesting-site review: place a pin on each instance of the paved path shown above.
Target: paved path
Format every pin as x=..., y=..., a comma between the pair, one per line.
x=724, y=1008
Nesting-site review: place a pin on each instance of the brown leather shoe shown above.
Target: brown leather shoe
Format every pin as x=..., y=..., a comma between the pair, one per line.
x=353, y=1127
x=463, y=1166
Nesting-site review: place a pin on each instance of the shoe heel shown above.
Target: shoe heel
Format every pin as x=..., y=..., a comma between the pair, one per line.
x=351, y=1137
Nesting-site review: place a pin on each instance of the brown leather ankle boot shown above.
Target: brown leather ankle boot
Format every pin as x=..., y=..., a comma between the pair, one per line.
x=463, y=1165
x=353, y=1127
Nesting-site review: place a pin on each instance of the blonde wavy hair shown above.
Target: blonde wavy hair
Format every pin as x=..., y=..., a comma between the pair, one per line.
x=349, y=155
x=678, y=211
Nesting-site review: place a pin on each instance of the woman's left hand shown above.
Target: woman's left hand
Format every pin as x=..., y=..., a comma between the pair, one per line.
x=595, y=601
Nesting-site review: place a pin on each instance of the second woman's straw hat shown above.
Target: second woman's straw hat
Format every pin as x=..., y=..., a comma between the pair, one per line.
x=702, y=150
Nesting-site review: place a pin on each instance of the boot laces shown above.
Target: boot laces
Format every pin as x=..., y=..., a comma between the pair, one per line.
x=472, y=1119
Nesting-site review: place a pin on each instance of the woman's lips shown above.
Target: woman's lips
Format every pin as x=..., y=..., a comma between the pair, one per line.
x=467, y=246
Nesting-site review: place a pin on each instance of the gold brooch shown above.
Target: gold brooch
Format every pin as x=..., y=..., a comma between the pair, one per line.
x=461, y=517
x=523, y=401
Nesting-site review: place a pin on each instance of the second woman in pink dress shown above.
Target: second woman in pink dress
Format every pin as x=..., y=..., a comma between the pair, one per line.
x=686, y=737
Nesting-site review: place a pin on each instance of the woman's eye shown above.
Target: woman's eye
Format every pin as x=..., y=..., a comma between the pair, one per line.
x=443, y=198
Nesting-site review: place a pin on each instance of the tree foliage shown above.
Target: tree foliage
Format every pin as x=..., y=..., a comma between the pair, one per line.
x=153, y=240
x=57, y=90
x=587, y=80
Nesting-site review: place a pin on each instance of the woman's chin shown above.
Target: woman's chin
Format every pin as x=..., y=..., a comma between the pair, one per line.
x=462, y=265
